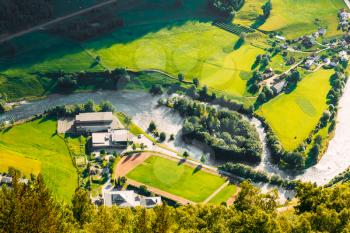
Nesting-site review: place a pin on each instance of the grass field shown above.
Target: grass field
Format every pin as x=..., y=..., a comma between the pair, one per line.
x=34, y=147
x=178, y=41
x=224, y=195
x=293, y=116
x=181, y=180
x=193, y=49
x=297, y=17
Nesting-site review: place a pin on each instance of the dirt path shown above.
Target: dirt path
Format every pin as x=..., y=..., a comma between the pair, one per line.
x=233, y=198
x=59, y=19
x=216, y=191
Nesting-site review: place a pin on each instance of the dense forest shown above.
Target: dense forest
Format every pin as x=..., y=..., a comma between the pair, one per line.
x=31, y=208
x=18, y=14
x=231, y=137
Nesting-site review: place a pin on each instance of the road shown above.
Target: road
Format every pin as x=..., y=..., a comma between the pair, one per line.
x=269, y=80
x=59, y=19
x=347, y=2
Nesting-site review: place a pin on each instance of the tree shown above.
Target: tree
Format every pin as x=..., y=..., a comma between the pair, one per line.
x=127, y=121
x=89, y=106
x=67, y=82
x=107, y=106
x=134, y=146
x=2, y=106
x=185, y=154
x=180, y=77
x=267, y=7
x=152, y=127
x=196, y=82
x=81, y=206
x=162, y=137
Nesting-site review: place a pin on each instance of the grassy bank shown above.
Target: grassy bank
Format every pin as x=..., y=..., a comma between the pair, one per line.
x=35, y=147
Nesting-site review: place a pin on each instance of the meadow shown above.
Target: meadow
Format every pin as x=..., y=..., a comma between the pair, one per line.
x=298, y=17
x=35, y=147
x=293, y=116
x=178, y=179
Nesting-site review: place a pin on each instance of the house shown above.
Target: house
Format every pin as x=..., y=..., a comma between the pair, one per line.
x=316, y=34
x=322, y=31
x=96, y=122
x=7, y=180
x=129, y=199
x=280, y=37
x=309, y=63
x=343, y=55
x=113, y=139
x=327, y=61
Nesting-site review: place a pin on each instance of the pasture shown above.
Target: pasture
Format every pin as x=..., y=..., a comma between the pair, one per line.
x=293, y=116
x=295, y=18
x=35, y=147
x=178, y=179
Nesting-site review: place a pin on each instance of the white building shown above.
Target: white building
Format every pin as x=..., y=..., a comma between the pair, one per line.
x=96, y=122
x=112, y=139
x=343, y=55
x=129, y=199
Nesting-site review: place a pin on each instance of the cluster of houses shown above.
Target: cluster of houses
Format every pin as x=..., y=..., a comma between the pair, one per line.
x=344, y=17
x=106, y=130
x=107, y=133
x=7, y=180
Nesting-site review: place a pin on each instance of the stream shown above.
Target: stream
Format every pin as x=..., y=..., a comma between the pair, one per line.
x=143, y=108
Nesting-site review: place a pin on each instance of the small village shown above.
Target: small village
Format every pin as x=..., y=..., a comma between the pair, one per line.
x=315, y=53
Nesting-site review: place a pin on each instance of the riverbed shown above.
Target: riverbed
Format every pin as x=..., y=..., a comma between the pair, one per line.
x=143, y=108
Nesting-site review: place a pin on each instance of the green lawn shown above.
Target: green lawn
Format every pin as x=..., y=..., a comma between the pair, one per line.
x=34, y=147
x=293, y=116
x=181, y=180
x=224, y=195
x=297, y=17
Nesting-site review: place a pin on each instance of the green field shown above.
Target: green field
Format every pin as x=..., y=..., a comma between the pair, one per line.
x=35, y=146
x=179, y=41
x=181, y=180
x=224, y=195
x=293, y=116
x=297, y=17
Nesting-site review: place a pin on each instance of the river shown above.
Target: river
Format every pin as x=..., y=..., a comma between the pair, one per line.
x=143, y=108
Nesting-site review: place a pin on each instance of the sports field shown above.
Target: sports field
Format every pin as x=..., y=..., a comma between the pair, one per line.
x=293, y=116
x=178, y=179
x=34, y=147
x=224, y=195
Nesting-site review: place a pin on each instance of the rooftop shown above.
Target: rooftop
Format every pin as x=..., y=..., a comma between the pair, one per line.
x=94, y=116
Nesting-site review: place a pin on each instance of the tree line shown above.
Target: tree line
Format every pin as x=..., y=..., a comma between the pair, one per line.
x=31, y=208
x=230, y=136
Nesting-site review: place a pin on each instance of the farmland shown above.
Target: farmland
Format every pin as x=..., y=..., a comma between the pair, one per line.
x=34, y=146
x=301, y=20
x=181, y=180
x=293, y=116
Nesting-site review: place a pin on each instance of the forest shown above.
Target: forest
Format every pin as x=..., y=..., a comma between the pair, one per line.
x=318, y=209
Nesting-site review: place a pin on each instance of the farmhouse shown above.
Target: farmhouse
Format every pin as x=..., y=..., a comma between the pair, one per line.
x=343, y=55
x=129, y=199
x=96, y=122
x=112, y=139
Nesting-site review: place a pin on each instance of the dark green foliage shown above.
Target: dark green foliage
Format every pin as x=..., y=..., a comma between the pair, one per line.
x=226, y=132
x=162, y=137
x=2, y=106
x=152, y=127
x=156, y=90
x=107, y=106
x=267, y=7
x=67, y=83
x=32, y=209
x=18, y=14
